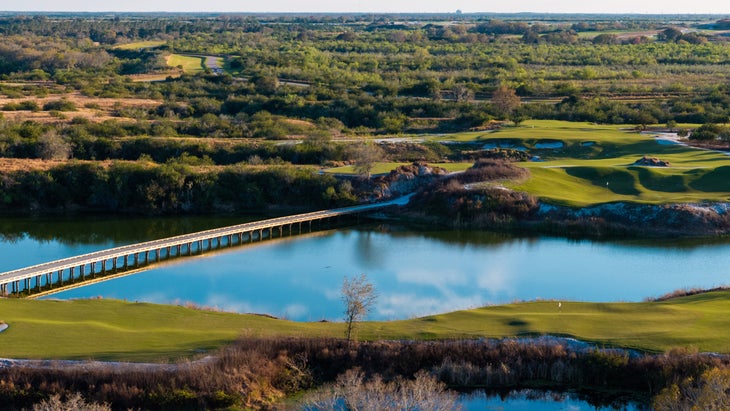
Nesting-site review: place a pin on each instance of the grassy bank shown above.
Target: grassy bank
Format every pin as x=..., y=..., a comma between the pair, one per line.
x=149, y=332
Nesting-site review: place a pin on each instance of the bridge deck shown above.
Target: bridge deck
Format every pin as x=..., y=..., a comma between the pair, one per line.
x=58, y=266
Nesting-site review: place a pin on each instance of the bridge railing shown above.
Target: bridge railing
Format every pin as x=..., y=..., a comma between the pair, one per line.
x=101, y=256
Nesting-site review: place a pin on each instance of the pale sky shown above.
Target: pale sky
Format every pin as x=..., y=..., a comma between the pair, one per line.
x=375, y=6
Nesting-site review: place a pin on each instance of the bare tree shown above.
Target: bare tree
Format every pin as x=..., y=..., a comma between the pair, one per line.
x=462, y=93
x=72, y=402
x=359, y=296
x=51, y=146
x=352, y=392
x=366, y=155
x=505, y=100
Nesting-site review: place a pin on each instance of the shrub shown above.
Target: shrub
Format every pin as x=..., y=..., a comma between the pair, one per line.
x=352, y=392
x=73, y=402
x=59, y=105
x=708, y=392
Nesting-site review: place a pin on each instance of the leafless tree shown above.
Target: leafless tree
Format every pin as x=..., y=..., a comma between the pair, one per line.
x=52, y=146
x=359, y=296
x=462, y=93
x=353, y=392
x=365, y=156
x=505, y=100
x=74, y=402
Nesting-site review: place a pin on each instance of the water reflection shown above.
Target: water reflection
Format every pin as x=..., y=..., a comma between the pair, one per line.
x=416, y=272
x=535, y=400
x=105, y=229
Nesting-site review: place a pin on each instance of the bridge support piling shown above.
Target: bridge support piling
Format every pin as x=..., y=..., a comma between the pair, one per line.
x=53, y=274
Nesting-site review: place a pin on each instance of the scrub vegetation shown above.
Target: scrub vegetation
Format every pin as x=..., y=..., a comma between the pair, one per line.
x=549, y=120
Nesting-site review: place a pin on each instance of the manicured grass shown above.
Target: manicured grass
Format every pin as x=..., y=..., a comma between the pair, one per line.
x=189, y=64
x=116, y=330
x=140, y=45
x=585, y=164
x=108, y=329
x=385, y=168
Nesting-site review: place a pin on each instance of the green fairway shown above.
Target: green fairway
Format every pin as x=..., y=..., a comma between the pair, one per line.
x=116, y=330
x=189, y=64
x=140, y=45
x=584, y=164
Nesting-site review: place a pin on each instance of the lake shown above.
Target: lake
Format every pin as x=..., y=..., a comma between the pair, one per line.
x=416, y=272
x=536, y=400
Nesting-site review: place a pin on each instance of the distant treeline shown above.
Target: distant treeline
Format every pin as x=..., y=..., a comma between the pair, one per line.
x=171, y=188
x=436, y=76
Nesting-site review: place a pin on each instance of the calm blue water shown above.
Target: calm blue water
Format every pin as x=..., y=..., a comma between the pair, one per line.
x=415, y=272
x=529, y=400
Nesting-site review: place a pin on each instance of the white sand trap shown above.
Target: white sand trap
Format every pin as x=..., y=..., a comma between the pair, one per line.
x=3, y=327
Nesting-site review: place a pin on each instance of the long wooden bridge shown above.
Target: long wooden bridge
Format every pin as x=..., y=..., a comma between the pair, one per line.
x=87, y=268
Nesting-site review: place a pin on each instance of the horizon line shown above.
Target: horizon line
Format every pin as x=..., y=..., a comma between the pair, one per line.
x=454, y=13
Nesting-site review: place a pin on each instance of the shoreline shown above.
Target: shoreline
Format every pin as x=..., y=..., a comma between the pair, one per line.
x=619, y=220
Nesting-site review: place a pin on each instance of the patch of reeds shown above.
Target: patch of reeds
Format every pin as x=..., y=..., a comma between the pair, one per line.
x=686, y=292
x=256, y=373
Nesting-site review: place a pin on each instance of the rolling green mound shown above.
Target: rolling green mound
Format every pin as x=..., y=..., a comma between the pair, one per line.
x=583, y=164
x=117, y=330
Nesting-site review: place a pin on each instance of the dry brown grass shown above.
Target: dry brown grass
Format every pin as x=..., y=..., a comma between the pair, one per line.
x=102, y=108
x=27, y=164
x=154, y=76
x=32, y=164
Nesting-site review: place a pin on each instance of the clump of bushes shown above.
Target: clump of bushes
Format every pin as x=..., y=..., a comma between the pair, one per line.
x=353, y=391
x=462, y=201
x=711, y=132
x=255, y=373
x=487, y=169
x=28, y=105
x=59, y=105
x=73, y=402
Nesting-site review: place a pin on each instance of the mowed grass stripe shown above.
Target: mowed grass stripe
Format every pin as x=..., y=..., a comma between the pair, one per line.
x=595, y=164
x=117, y=330
x=189, y=64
